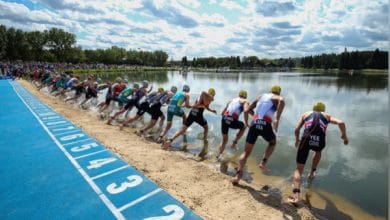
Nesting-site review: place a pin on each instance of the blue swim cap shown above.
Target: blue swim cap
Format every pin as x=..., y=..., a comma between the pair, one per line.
x=186, y=88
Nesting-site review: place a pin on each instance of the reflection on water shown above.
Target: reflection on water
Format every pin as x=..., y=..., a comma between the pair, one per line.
x=356, y=173
x=153, y=76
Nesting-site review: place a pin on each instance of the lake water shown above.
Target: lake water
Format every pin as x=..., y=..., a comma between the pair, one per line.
x=352, y=180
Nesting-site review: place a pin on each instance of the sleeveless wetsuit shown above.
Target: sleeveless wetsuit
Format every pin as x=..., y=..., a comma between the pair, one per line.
x=262, y=119
x=122, y=98
x=313, y=137
x=134, y=101
x=174, y=107
x=231, y=116
x=196, y=115
x=155, y=104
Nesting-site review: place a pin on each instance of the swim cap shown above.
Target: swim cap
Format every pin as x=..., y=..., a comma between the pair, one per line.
x=118, y=79
x=276, y=89
x=186, y=88
x=211, y=91
x=174, y=89
x=145, y=83
x=319, y=107
x=136, y=86
x=160, y=90
x=242, y=94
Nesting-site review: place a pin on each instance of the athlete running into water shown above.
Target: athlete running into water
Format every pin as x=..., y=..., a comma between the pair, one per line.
x=263, y=124
x=196, y=115
x=179, y=100
x=315, y=123
x=134, y=101
x=152, y=105
x=113, y=93
x=230, y=116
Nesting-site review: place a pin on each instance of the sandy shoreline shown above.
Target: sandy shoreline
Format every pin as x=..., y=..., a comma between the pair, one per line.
x=198, y=185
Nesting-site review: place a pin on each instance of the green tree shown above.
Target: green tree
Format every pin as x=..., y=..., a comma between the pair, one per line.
x=160, y=58
x=3, y=41
x=61, y=43
x=184, y=61
x=36, y=42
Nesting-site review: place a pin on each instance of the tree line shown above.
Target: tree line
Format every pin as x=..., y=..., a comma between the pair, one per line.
x=57, y=45
x=347, y=60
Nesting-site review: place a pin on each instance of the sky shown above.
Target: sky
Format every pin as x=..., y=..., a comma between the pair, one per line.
x=219, y=28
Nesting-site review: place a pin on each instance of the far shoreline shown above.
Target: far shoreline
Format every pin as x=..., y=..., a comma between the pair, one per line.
x=132, y=69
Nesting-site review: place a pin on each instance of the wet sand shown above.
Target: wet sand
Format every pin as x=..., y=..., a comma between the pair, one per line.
x=199, y=185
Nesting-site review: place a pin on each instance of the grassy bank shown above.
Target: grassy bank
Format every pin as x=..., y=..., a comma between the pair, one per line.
x=118, y=70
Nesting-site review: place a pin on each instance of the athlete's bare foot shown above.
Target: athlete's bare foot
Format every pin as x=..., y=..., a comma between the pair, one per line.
x=159, y=139
x=237, y=178
x=293, y=199
x=264, y=167
x=139, y=133
x=109, y=121
x=234, y=145
x=166, y=144
x=311, y=176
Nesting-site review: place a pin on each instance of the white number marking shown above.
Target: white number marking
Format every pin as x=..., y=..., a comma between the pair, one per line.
x=94, y=164
x=71, y=137
x=177, y=213
x=134, y=180
x=84, y=147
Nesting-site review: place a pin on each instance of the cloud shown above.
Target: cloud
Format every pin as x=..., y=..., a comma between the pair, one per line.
x=190, y=3
x=377, y=17
x=231, y=5
x=275, y=28
x=143, y=30
x=375, y=35
x=285, y=25
x=21, y=14
x=196, y=34
x=273, y=8
x=216, y=20
x=72, y=5
x=171, y=14
x=276, y=32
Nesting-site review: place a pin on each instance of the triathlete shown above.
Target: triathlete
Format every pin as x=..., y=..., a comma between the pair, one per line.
x=155, y=109
x=179, y=100
x=263, y=124
x=315, y=123
x=196, y=115
x=134, y=101
x=230, y=119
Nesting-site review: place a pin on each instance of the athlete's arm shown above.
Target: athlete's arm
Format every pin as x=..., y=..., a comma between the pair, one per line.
x=187, y=101
x=246, y=107
x=279, y=110
x=150, y=89
x=298, y=128
x=113, y=89
x=224, y=110
x=342, y=128
x=249, y=109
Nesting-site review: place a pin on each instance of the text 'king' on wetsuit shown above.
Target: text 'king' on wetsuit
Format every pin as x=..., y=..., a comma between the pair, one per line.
x=262, y=119
x=265, y=108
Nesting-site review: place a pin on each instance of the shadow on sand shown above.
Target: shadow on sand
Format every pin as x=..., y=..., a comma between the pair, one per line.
x=330, y=211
